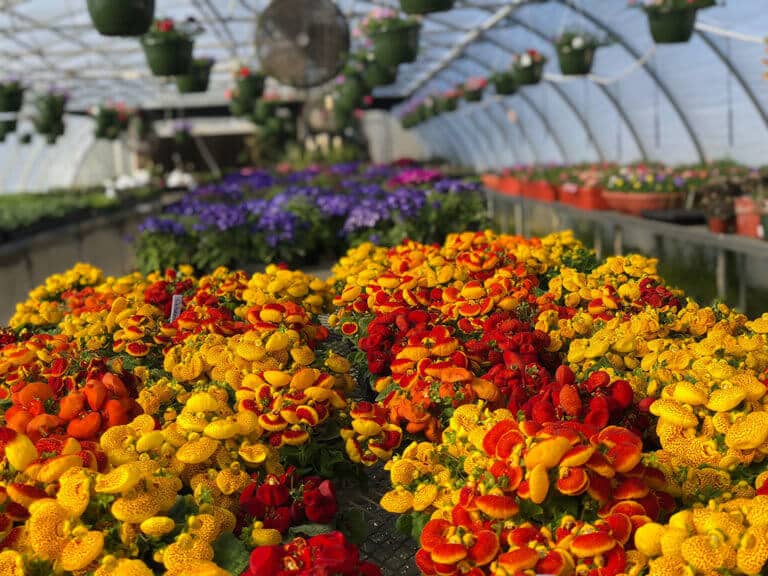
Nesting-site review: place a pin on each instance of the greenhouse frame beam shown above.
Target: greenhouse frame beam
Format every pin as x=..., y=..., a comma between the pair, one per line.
x=568, y=102
x=457, y=51
x=535, y=152
x=648, y=69
x=736, y=74
x=545, y=121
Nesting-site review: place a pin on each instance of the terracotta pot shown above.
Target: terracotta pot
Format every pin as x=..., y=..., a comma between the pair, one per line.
x=719, y=225
x=589, y=199
x=747, y=217
x=636, y=203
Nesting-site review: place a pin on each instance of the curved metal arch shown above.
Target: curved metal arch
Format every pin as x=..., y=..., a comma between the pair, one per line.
x=533, y=148
x=496, y=134
x=491, y=154
x=650, y=71
x=545, y=122
x=504, y=135
x=465, y=131
x=736, y=74
x=464, y=153
x=614, y=102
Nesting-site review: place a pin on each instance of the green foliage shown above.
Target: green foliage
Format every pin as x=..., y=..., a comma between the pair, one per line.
x=230, y=553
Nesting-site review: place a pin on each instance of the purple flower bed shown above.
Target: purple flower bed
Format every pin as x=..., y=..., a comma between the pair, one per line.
x=303, y=216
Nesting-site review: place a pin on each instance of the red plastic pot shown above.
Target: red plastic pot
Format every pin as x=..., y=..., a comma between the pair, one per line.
x=510, y=186
x=747, y=217
x=490, y=181
x=636, y=203
x=590, y=199
x=719, y=225
x=541, y=190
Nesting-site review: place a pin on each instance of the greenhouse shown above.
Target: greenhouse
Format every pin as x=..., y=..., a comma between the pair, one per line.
x=384, y=288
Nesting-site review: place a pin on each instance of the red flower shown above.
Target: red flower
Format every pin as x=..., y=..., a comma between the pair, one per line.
x=244, y=72
x=273, y=491
x=165, y=25
x=320, y=503
x=266, y=560
x=332, y=554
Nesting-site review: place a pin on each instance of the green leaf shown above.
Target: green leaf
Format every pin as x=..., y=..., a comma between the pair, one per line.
x=352, y=523
x=230, y=553
x=404, y=524
x=309, y=530
x=419, y=520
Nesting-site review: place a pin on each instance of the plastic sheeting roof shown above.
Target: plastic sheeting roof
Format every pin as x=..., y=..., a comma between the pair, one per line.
x=679, y=103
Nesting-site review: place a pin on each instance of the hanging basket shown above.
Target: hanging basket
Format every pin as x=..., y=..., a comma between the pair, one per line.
x=168, y=56
x=398, y=46
x=446, y=104
x=473, y=95
x=377, y=74
x=425, y=6
x=575, y=62
x=197, y=79
x=505, y=83
x=122, y=17
x=50, y=110
x=529, y=75
x=7, y=127
x=671, y=26
x=11, y=97
x=250, y=87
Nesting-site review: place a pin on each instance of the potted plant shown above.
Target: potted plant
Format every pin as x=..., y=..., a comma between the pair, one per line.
x=672, y=21
x=7, y=127
x=49, y=110
x=505, y=83
x=168, y=46
x=111, y=121
x=717, y=202
x=182, y=132
x=121, y=17
x=473, y=89
x=425, y=6
x=528, y=67
x=449, y=101
x=395, y=39
x=581, y=187
x=25, y=139
x=197, y=78
x=634, y=190
x=11, y=96
x=375, y=73
x=264, y=109
x=250, y=84
x=576, y=52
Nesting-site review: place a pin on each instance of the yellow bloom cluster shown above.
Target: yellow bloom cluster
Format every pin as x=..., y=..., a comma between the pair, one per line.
x=729, y=537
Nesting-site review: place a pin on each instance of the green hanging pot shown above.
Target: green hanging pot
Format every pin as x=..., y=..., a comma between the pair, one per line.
x=671, y=26
x=197, y=79
x=398, y=46
x=169, y=55
x=473, y=95
x=505, y=83
x=25, y=139
x=377, y=74
x=446, y=104
x=250, y=87
x=425, y=6
x=122, y=17
x=529, y=75
x=11, y=97
x=575, y=62
x=8, y=126
x=50, y=110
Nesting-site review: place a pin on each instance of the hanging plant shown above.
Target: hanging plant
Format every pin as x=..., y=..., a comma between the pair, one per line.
x=182, y=132
x=168, y=46
x=7, y=127
x=528, y=67
x=504, y=82
x=250, y=85
x=198, y=77
x=111, y=121
x=11, y=96
x=425, y=6
x=395, y=39
x=672, y=21
x=474, y=88
x=449, y=101
x=375, y=73
x=121, y=17
x=576, y=52
x=49, y=116
x=350, y=91
x=25, y=139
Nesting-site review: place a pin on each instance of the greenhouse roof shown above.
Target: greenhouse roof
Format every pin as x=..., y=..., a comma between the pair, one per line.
x=705, y=99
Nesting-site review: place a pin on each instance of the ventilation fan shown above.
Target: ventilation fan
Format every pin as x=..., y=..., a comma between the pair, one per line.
x=302, y=43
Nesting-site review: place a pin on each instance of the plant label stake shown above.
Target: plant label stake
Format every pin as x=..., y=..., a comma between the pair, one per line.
x=176, y=303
